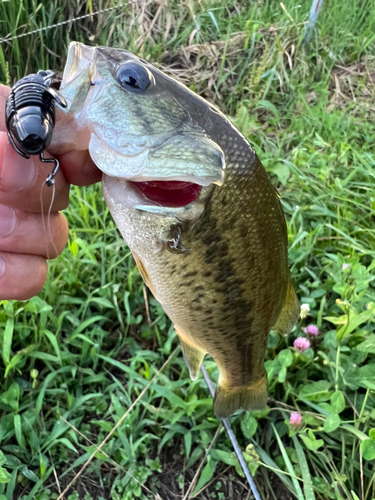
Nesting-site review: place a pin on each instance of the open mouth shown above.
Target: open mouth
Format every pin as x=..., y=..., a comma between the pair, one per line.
x=170, y=194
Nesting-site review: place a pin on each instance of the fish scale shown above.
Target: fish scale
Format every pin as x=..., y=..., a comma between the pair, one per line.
x=224, y=282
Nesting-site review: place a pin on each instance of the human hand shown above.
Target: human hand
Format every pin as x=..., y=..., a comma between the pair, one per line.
x=25, y=244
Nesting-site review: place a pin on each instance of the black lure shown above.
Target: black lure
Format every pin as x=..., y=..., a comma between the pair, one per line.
x=30, y=117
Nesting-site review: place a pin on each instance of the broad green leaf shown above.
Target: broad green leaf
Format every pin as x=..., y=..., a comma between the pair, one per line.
x=371, y=434
x=194, y=457
x=30, y=474
x=363, y=376
x=367, y=345
x=258, y=414
x=11, y=396
x=338, y=401
x=249, y=425
x=368, y=449
x=331, y=423
x=66, y=443
x=317, y=391
x=352, y=323
x=4, y=476
x=224, y=456
x=312, y=445
x=206, y=475
x=285, y=358
x=336, y=320
x=282, y=374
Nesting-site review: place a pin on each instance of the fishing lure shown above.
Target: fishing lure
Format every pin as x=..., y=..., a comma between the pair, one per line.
x=30, y=117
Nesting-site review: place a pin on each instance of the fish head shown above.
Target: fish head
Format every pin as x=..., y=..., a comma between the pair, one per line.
x=146, y=132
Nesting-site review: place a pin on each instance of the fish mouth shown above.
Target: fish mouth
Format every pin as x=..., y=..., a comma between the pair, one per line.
x=179, y=198
x=170, y=194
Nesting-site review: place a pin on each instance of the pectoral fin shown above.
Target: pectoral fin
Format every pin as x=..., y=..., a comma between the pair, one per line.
x=192, y=355
x=289, y=313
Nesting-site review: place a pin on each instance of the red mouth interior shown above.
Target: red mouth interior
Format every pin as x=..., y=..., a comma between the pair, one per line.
x=170, y=193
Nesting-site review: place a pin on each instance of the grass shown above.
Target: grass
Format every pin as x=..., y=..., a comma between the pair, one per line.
x=76, y=357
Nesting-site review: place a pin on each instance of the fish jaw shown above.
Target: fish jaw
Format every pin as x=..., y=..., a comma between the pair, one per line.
x=125, y=195
x=134, y=136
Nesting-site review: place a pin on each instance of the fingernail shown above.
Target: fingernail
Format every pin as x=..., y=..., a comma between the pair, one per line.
x=7, y=221
x=17, y=173
x=2, y=267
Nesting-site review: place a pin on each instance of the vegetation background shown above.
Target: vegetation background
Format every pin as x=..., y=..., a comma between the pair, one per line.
x=76, y=356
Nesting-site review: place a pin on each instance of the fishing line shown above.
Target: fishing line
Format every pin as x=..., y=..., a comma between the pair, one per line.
x=233, y=439
x=48, y=228
x=73, y=20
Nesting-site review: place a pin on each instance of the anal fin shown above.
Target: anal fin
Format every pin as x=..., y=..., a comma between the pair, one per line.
x=289, y=313
x=192, y=355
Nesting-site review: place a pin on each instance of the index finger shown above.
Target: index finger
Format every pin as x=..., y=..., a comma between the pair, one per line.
x=77, y=166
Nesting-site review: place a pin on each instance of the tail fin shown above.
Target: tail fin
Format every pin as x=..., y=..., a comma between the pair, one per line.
x=227, y=400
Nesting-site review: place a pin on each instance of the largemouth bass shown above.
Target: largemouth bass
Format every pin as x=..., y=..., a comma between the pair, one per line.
x=196, y=208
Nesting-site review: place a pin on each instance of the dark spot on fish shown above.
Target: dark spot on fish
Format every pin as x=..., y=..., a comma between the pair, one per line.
x=190, y=274
x=210, y=239
x=187, y=283
x=207, y=274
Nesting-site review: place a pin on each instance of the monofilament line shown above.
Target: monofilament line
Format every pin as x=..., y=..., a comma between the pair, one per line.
x=233, y=440
x=79, y=18
x=118, y=423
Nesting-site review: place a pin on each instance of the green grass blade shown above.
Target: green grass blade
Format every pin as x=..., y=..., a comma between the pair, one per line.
x=307, y=484
x=289, y=466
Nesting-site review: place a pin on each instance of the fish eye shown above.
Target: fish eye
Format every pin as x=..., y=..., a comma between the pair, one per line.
x=133, y=76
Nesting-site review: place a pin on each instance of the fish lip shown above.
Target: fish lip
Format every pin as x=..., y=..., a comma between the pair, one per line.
x=126, y=195
x=137, y=163
x=201, y=181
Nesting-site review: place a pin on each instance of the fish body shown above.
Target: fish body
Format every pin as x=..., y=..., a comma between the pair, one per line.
x=217, y=261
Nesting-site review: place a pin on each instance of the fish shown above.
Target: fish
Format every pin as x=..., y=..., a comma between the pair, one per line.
x=195, y=206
